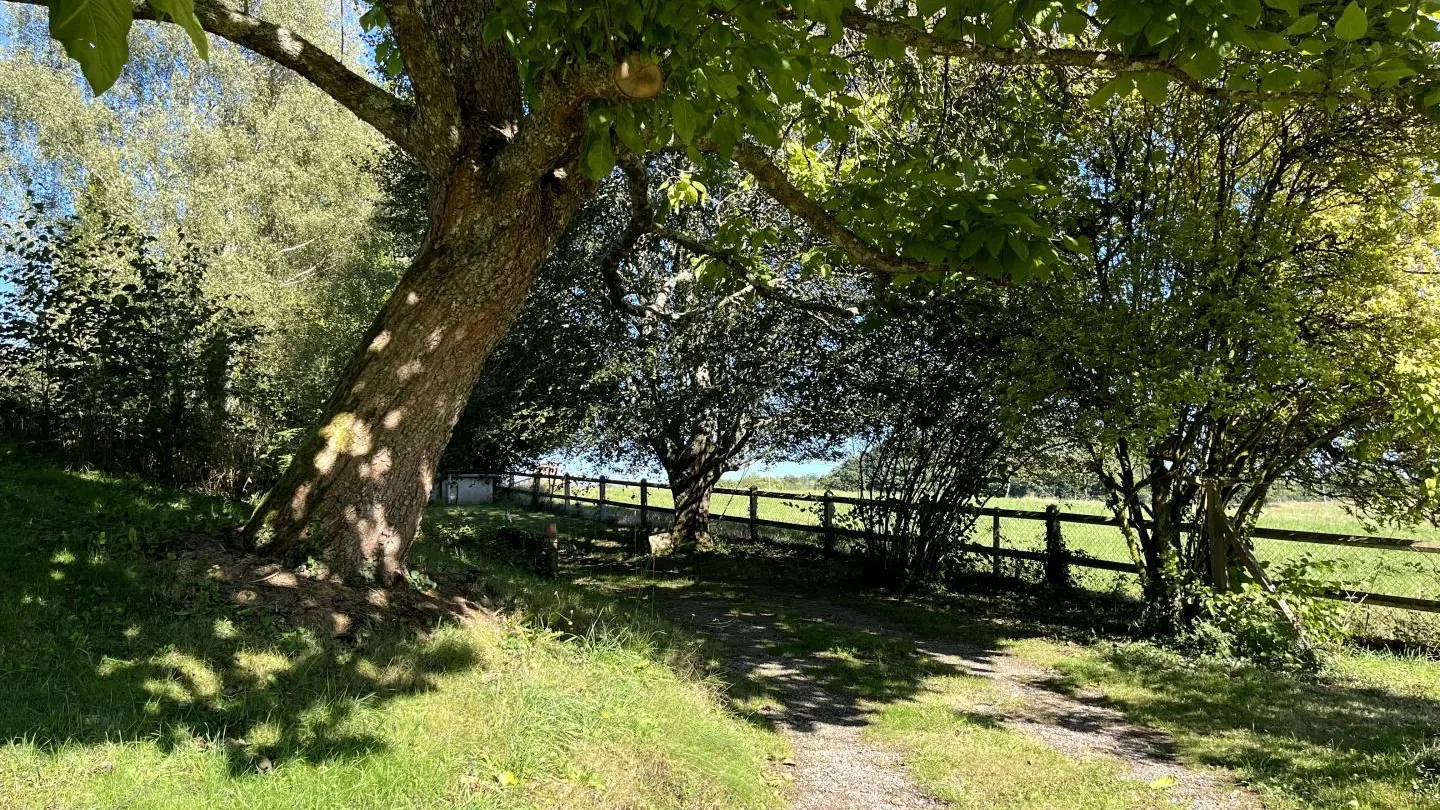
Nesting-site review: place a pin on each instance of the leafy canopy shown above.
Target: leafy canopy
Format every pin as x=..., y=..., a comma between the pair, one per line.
x=803, y=74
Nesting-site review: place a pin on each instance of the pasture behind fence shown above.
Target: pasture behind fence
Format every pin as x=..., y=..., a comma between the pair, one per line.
x=1086, y=550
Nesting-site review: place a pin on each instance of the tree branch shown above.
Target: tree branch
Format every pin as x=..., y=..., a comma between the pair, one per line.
x=769, y=176
x=371, y=103
x=759, y=286
x=641, y=216
x=433, y=90
x=1107, y=61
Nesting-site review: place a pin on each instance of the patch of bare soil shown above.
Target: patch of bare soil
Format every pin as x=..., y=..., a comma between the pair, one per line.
x=313, y=599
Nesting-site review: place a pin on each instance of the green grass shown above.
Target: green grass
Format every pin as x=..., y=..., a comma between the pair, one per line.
x=124, y=686
x=1350, y=740
x=971, y=760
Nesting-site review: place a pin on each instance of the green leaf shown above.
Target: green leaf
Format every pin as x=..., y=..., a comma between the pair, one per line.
x=995, y=242
x=1130, y=20
x=1119, y=84
x=628, y=130
x=182, y=13
x=1352, y=24
x=1291, y=7
x=726, y=85
x=686, y=119
x=1270, y=41
x=599, y=158
x=1203, y=64
x=1154, y=86
x=1073, y=23
x=94, y=34
x=1247, y=10
x=1303, y=26
x=1018, y=245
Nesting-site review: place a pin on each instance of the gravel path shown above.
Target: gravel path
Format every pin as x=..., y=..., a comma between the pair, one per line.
x=834, y=769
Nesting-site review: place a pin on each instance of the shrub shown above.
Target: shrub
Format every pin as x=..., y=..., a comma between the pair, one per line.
x=1250, y=624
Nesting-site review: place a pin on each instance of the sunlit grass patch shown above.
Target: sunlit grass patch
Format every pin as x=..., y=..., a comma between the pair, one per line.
x=1348, y=740
x=958, y=751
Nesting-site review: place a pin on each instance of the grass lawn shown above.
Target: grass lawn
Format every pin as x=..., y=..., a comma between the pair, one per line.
x=127, y=687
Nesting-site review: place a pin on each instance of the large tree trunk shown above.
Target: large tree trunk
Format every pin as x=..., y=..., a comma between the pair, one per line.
x=693, y=478
x=356, y=490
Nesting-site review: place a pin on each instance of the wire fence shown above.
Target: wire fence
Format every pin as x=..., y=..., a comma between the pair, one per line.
x=1089, y=551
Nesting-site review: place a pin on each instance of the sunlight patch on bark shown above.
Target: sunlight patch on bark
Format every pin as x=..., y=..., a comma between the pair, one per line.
x=393, y=419
x=380, y=342
x=346, y=435
x=378, y=466
x=297, y=501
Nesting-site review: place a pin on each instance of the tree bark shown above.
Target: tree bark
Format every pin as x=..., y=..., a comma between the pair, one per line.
x=356, y=490
x=693, y=478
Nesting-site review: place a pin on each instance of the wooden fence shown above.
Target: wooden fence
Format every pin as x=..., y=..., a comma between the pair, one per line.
x=1056, y=560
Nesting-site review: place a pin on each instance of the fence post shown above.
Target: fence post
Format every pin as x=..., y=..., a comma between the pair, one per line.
x=754, y=515
x=644, y=504
x=1057, y=567
x=567, y=493
x=827, y=519
x=600, y=507
x=535, y=491
x=995, y=544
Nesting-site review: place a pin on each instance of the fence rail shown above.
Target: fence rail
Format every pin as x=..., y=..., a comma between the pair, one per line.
x=1424, y=578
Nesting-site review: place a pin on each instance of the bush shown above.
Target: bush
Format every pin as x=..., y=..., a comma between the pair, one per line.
x=1249, y=623
x=116, y=356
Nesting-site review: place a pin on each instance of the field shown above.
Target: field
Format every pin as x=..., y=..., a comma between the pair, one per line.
x=1393, y=573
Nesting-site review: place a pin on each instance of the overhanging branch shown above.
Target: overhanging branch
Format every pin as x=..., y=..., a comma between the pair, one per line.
x=638, y=184
x=1083, y=58
x=860, y=251
x=760, y=286
x=371, y=103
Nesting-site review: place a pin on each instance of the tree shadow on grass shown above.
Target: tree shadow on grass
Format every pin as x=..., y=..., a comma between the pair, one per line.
x=1323, y=742
x=792, y=652
x=101, y=643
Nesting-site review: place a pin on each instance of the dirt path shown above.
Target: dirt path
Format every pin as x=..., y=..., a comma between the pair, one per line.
x=835, y=769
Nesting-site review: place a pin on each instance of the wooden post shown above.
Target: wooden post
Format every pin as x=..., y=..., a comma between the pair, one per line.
x=567, y=493
x=995, y=544
x=754, y=515
x=535, y=491
x=1057, y=567
x=827, y=519
x=600, y=507
x=644, y=504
